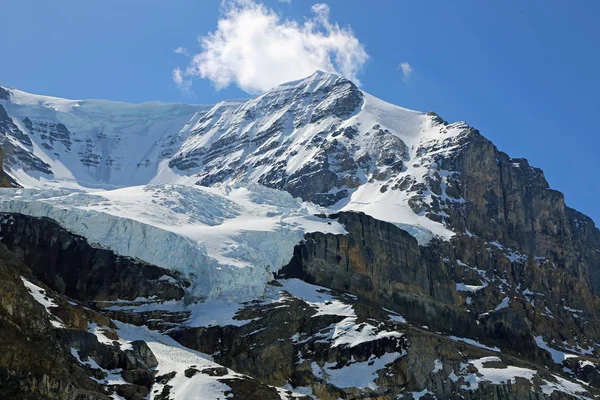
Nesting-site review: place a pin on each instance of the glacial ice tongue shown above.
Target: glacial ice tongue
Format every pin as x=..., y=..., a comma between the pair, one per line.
x=227, y=240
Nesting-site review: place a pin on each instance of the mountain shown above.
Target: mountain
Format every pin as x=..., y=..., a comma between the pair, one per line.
x=176, y=248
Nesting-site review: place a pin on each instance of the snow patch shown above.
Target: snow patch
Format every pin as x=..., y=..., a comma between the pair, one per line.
x=462, y=287
x=41, y=297
x=357, y=374
x=557, y=356
x=474, y=343
x=495, y=376
x=503, y=304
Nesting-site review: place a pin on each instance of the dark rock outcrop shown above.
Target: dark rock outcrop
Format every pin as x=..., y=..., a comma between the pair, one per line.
x=49, y=133
x=68, y=263
x=8, y=127
x=382, y=263
x=374, y=259
x=32, y=361
x=506, y=200
x=4, y=94
x=5, y=180
x=14, y=155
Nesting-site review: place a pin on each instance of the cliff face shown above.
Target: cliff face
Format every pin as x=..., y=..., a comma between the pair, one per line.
x=510, y=202
x=442, y=285
x=32, y=361
x=378, y=261
x=376, y=258
x=48, y=348
x=68, y=263
x=5, y=180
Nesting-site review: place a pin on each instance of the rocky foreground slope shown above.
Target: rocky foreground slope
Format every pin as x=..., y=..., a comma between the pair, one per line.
x=313, y=242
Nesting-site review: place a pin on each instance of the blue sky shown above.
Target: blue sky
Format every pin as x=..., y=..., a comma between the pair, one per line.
x=523, y=72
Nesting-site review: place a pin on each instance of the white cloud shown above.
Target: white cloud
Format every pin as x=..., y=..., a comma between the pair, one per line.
x=182, y=50
x=256, y=49
x=406, y=69
x=183, y=83
x=321, y=9
x=286, y=1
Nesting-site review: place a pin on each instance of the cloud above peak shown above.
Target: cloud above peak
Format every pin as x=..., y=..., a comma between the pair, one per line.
x=406, y=69
x=256, y=49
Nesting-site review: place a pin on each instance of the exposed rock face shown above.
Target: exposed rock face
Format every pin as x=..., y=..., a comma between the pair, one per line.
x=5, y=180
x=8, y=127
x=380, y=262
x=508, y=201
x=47, y=351
x=32, y=361
x=375, y=259
x=68, y=263
x=49, y=133
x=14, y=155
x=4, y=94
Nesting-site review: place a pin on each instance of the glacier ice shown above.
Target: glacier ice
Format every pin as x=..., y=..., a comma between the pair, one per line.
x=228, y=240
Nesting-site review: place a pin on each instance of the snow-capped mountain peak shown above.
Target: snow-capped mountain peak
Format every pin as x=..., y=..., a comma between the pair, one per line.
x=318, y=79
x=319, y=138
x=219, y=204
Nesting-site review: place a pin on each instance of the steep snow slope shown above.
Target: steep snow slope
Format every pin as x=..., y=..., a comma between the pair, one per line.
x=90, y=143
x=228, y=240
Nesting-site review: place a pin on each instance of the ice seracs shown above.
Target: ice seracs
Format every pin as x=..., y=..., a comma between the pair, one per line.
x=228, y=240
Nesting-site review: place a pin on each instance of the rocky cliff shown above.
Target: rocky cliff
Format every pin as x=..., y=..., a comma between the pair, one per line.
x=510, y=202
x=5, y=180
x=32, y=360
x=466, y=286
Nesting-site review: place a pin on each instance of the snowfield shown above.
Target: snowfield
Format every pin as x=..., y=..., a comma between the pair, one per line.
x=130, y=137
x=227, y=240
